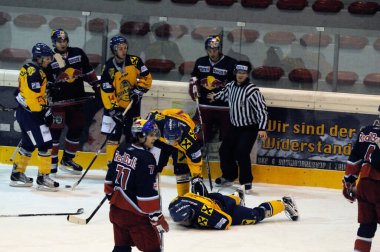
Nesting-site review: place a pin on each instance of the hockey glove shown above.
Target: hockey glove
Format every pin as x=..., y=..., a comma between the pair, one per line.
x=96, y=88
x=198, y=187
x=193, y=88
x=158, y=221
x=349, y=187
x=47, y=116
x=117, y=116
x=136, y=94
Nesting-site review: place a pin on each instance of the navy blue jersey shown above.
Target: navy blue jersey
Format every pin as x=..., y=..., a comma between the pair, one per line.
x=213, y=77
x=131, y=180
x=69, y=80
x=365, y=149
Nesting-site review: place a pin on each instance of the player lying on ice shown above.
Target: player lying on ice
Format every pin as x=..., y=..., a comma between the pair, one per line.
x=217, y=211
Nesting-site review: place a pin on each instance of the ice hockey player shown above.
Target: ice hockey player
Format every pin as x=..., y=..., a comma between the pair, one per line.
x=131, y=187
x=364, y=161
x=217, y=211
x=34, y=117
x=179, y=141
x=125, y=78
x=68, y=72
x=210, y=74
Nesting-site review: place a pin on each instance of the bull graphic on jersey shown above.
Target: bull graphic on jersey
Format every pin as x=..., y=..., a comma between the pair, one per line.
x=210, y=83
x=69, y=75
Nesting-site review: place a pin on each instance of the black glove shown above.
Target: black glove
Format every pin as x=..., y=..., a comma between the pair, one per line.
x=47, y=116
x=96, y=88
x=116, y=115
x=136, y=94
x=198, y=187
x=349, y=187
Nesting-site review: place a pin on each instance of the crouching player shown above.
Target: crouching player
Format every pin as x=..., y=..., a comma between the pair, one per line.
x=217, y=211
x=179, y=141
x=130, y=183
x=34, y=118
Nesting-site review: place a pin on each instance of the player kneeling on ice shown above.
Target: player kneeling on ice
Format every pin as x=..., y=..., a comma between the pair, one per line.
x=131, y=187
x=217, y=211
x=34, y=117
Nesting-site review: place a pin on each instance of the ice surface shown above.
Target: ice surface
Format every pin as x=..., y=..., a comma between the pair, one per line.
x=327, y=221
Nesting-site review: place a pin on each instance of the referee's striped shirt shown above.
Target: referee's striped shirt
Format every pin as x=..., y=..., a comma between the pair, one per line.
x=247, y=104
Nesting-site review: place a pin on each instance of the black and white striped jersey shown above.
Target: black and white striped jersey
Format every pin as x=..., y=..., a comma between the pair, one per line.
x=247, y=104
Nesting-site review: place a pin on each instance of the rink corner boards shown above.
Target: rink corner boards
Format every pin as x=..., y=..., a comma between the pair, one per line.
x=262, y=173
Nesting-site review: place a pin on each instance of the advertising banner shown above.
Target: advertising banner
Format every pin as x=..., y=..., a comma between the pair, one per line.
x=310, y=139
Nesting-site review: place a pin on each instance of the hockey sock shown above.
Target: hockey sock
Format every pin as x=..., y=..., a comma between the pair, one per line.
x=22, y=162
x=272, y=207
x=110, y=151
x=363, y=245
x=45, y=162
x=54, y=153
x=71, y=147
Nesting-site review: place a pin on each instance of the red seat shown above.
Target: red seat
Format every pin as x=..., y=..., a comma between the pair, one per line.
x=291, y=4
x=220, y=2
x=4, y=17
x=267, y=73
x=66, y=23
x=363, y=7
x=376, y=44
x=185, y=1
x=245, y=35
x=372, y=79
x=135, y=28
x=159, y=65
x=203, y=32
x=15, y=55
x=353, y=42
x=256, y=3
x=304, y=75
x=29, y=20
x=327, y=6
x=186, y=67
x=95, y=59
x=165, y=30
x=343, y=78
x=98, y=25
x=279, y=38
x=312, y=39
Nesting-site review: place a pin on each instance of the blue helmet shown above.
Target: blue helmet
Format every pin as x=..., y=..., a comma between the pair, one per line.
x=115, y=41
x=58, y=34
x=142, y=128
x=41, y=50
x=172, y=130
x=214, y=41
x=181, y=212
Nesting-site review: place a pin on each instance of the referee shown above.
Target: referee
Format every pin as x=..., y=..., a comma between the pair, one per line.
x=248, y=119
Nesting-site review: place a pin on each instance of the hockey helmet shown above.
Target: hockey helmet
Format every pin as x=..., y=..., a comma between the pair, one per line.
x=115, y=41
x=41, y=50
x=142, y=128
x=214, y=41
x=181, y=212
x=243, y=66
x=172, y=130
x=59, y=34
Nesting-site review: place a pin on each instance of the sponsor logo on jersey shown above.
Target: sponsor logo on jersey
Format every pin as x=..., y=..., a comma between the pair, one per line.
x=196, y=154
x=134, y=60
x=186, y=143
x=111, y=72
x=247, y=222
x=125, y=159
x=31, y=70
x=371, y=137
x=219, y=71
x=35, y=85
x=192, y=134
x=75, y=59
x=220, y=224
x=207, y=210
x=202, y=221
x=204, y=69
x=54, y=65
x=143, y=69
x=106, y=85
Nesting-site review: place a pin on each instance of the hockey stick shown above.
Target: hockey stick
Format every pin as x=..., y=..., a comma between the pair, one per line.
x=203, y=138
x=76, y=220
x=79, y=211
x=159, y=194
x=100, y=149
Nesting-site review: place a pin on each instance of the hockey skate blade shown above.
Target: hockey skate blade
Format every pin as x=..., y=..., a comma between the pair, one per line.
x=74, y=219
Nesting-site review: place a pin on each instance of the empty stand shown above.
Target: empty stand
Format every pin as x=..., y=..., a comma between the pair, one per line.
x=372, y=79
x=159, y=65
x=269, y=73
x=186, y=67
x=343, y=78
x=363, y=8
x=29, y=20
x=202, y=32
x=315, y=39
x=220, y=2
x=256, y=3
x=291, y=4
x=327, y=6
x=99, y=25
x=279, y=38
x=185, y=1
x=66, y=23
x=304, y=75
x=4, y=17
x=165, y=30
x=135, y=28
x=243, y=35
x=14, y=55
x=353, y=42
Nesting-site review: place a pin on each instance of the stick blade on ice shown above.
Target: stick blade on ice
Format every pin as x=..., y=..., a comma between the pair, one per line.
x=74, y=219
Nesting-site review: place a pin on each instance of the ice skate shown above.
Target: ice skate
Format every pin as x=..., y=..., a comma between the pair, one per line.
x=247, y=188
x=45, y=183
x=19, y=179
x=222, y=182
x=240, y=192
x=68, y=165
x=291, y=209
